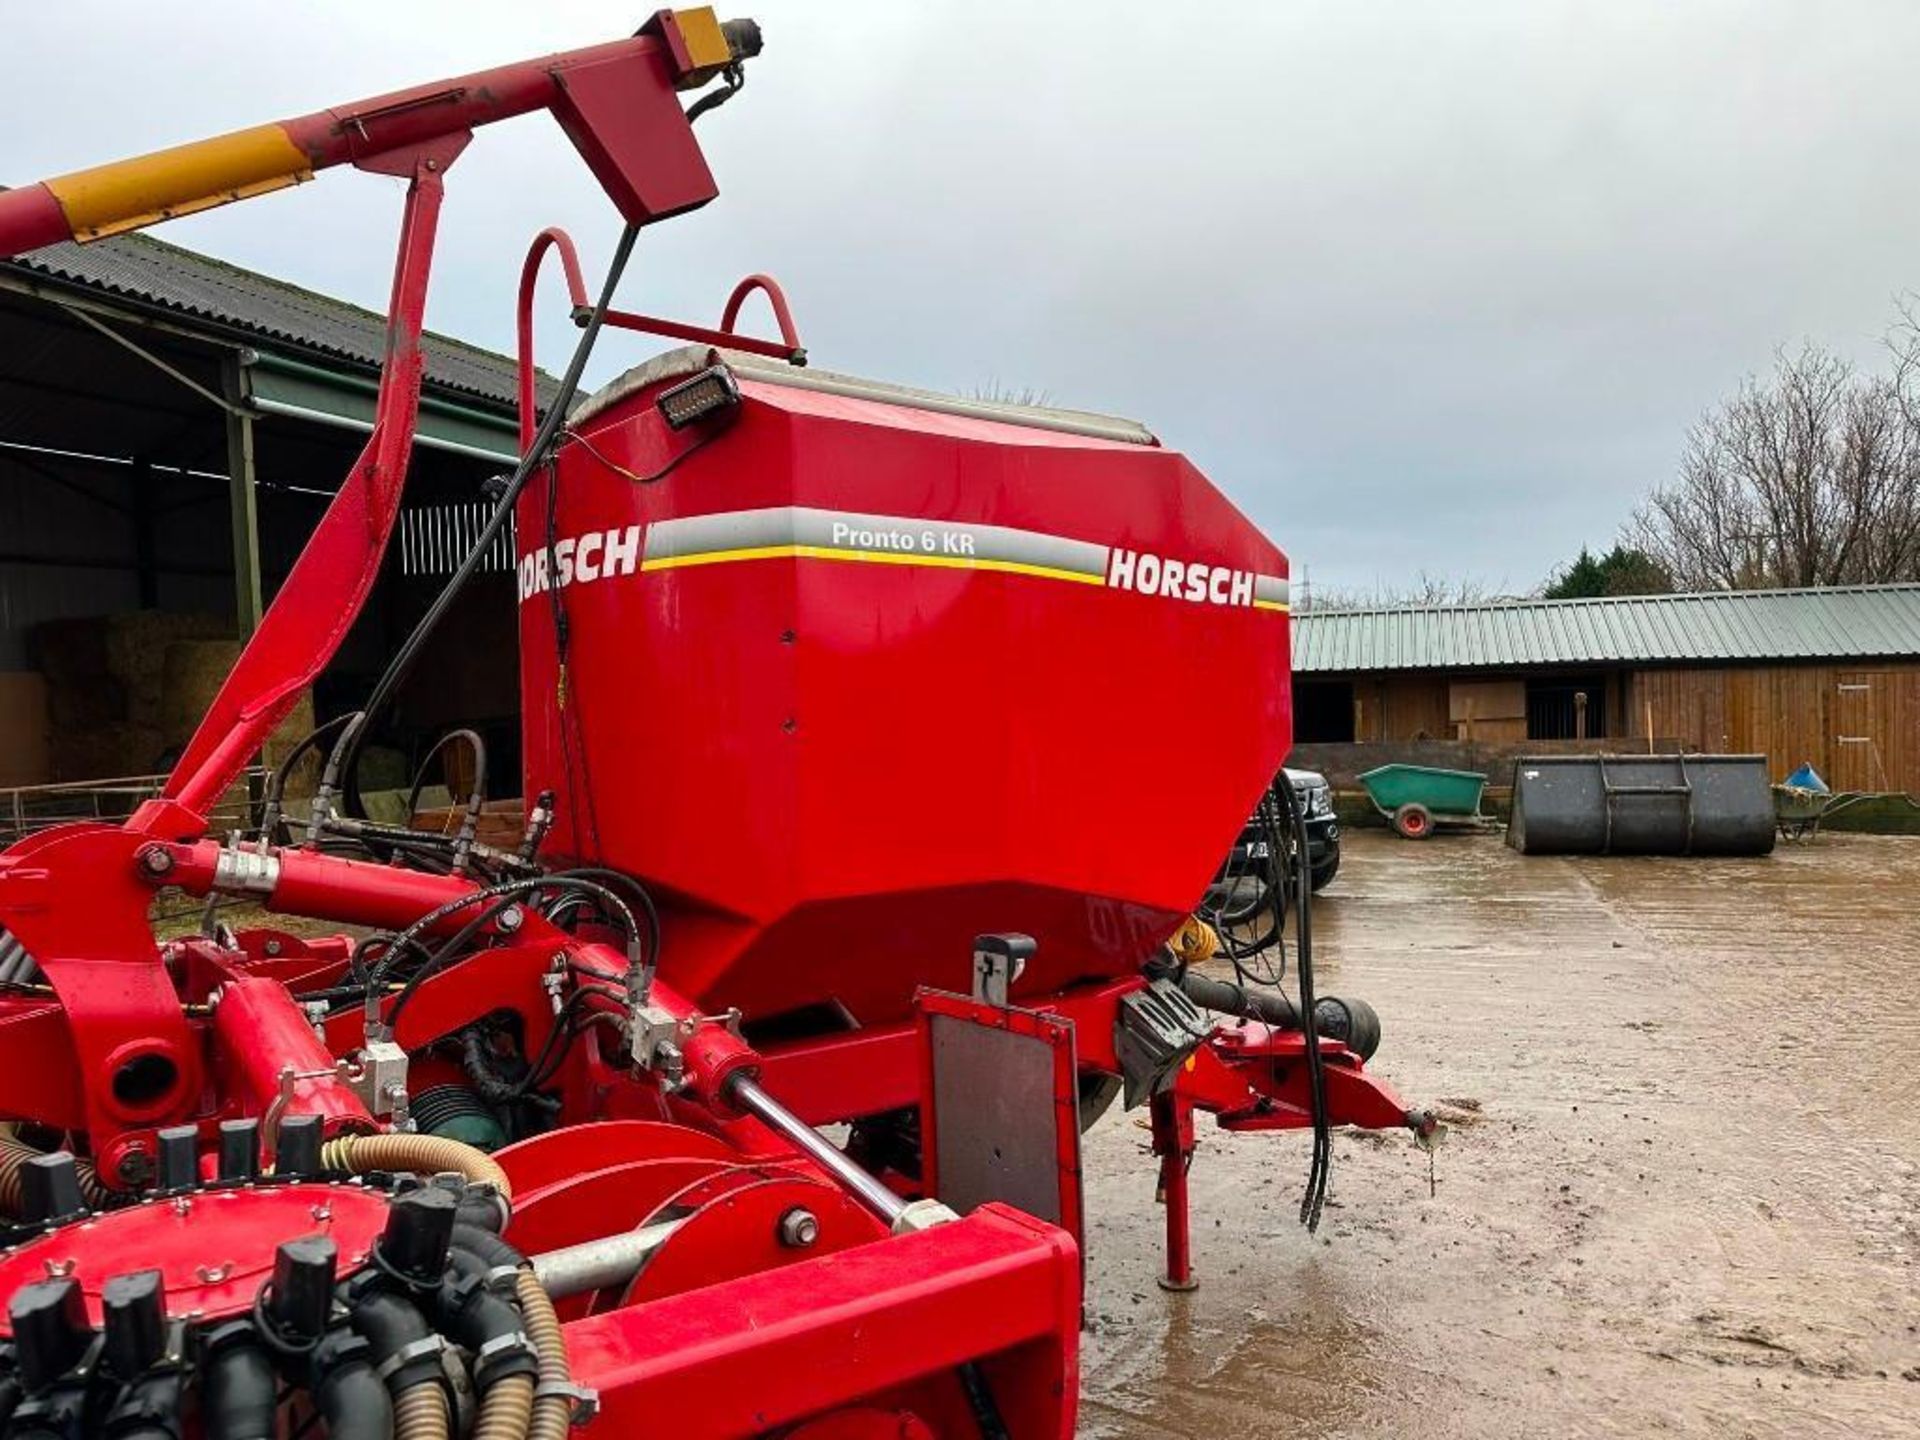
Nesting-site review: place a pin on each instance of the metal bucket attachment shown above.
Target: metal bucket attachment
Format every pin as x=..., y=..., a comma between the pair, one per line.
x=1641, y=805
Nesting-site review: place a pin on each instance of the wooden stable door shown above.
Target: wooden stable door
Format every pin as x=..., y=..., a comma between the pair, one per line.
x=1859, y=712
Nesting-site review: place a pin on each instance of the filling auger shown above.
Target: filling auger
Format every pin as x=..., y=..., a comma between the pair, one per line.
x=855, y=798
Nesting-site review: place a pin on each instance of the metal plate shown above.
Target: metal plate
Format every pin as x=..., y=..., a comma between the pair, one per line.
x=998, y=1134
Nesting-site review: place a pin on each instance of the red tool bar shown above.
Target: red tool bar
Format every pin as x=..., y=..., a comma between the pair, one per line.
x=326, y=887
x=752, y=1354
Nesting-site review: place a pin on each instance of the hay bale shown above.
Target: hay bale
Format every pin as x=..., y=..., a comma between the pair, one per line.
x=191, y=674
x=137, y=644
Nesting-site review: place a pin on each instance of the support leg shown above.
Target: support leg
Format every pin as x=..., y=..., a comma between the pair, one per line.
x=1173, y=1143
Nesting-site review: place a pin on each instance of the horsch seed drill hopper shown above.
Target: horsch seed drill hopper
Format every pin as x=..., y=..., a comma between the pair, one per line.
x=849, y=802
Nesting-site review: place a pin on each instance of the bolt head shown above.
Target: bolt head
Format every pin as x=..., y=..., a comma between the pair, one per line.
x=135, y=1167
x=510, y=919
x=156, y=860
x=799, y=1228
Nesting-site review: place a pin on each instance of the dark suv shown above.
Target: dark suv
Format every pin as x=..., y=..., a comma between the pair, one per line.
x=1315, y=798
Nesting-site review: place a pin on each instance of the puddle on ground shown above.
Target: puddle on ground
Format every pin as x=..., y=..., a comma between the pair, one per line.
x=1681, y=1194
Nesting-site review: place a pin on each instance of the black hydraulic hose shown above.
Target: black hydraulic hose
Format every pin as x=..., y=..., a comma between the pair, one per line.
x=239, y=1393
x=498, y=897
x=351, y=1397
x=475, y=744
x=271, y=800
x=986, y=1410
x=639, y=983
x=10, y=1393
x=1287, y=804
x=409, y=651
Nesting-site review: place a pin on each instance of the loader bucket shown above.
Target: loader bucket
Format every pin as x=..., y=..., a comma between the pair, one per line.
x=1641, y=805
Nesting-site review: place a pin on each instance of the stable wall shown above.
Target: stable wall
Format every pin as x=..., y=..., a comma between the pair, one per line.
x=1859, y=724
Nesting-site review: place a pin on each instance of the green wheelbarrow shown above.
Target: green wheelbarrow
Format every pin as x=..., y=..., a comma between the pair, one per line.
x=1417, y=798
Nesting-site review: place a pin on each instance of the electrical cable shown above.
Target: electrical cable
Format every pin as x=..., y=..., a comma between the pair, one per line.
x=573, y=436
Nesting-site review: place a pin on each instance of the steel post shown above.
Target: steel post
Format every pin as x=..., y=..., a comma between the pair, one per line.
x=1173, y=1143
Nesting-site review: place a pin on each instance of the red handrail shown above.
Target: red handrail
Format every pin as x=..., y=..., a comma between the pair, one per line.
x=776, y=297
x=553, y=237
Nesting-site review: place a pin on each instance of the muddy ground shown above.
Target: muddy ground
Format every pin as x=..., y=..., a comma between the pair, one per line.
x=1686, y=1199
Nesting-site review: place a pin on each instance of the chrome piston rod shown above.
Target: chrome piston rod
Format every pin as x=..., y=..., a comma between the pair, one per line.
x=866, y=1188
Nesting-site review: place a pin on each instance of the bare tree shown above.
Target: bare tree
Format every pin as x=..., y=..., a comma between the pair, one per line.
x=999, y=394
x=1810, y=476
x=1424, y=590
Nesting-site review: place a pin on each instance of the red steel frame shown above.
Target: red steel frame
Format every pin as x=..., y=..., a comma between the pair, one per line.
x=889, y=1320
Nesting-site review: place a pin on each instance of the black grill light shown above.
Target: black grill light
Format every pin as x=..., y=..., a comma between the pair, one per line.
x=707, y=393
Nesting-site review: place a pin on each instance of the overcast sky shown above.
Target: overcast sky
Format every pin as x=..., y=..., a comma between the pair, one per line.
x=1421, y=284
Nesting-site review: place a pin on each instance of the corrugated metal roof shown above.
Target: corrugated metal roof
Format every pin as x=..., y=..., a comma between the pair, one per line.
x=154, y=273
x=1845, y=622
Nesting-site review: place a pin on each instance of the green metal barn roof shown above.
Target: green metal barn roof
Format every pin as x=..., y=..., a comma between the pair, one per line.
x=1853, y=622
x=167, y=278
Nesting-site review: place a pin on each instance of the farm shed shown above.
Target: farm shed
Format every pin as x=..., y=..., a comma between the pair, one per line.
x=171, y=427
x=1830, y=675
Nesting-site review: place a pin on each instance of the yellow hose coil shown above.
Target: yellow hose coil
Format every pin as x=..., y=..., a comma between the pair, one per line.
x=552, y=1412
x=1194, y=942
x=416, y=1154
x=420, y=1413
x=507, y=1411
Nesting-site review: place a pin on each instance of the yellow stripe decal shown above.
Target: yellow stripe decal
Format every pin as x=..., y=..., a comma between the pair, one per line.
x=870, y=557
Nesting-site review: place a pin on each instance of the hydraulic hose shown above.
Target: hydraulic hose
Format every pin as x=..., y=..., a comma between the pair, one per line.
x=415, y=1154
x=553, y=1407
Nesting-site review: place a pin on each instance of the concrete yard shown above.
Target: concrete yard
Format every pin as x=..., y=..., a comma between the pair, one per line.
x=1682, y=1196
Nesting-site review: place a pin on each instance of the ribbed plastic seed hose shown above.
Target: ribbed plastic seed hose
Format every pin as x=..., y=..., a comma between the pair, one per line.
x=415, y=1154
x=13, y=1155
x=552, y=1414
x=506, y=1412
x=420, y=1413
